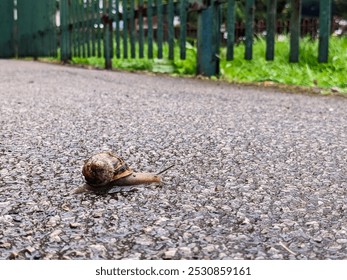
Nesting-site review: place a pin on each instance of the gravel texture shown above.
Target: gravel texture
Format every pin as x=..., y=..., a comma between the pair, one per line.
x=258, y=174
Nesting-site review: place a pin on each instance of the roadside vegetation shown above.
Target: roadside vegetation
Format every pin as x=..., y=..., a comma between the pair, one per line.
x=327, y=77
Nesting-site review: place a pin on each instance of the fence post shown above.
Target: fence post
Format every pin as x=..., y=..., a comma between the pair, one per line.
x=208, y=39
x=249, y=29
x=132, y=29
x=160, y=28
x=183, y=28
x=171, y=29
x=270, y=29
x=107, y=21
x=230, y=29
x=324, y=29
x=295, y=20
x=65, y=36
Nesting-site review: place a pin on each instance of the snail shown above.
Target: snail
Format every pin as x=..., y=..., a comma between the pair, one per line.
x=105, y=170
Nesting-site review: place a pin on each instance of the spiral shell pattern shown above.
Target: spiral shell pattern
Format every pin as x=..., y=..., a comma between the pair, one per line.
x=104, y=168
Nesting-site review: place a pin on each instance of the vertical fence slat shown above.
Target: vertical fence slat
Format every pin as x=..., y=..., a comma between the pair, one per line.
x=86, y=41
x=79, y=30
x=230, y=29
x=171, y=30
x=141, y=33
x=125, y=28
x=44, y=51
x=52, y=31
x=49, y=29
x=88, y=28
x=249, y=29
x=41, y=47
x=117, y=20
x=72, y=25
x=80, y=24
x=83, y=33
x=270, y=29
x=150, y=28
x=98, y=23
x=132, y=29
x=92, y=26
x=324, y=30
x=110, y=26
x=64, y=16
x=160, y=28
x=107, y=34
x=295, y=20
x=33, y=40
x=23, y=28
x=183, y=28
x=74, y=29
x=38, y=27
x=208, y=40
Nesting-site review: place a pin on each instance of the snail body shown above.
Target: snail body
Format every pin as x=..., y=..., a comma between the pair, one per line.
x=106, y=170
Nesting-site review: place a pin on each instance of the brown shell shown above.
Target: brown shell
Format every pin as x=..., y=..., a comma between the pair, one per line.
x=104, y=168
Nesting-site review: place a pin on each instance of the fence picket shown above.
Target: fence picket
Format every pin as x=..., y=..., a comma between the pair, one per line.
x=117, y=30
x=141, y=33
x=132, y=29
x=92, y=27
x=77, y=29
x=324, y=30
x=171, y=30
x=249, y=29
x=88, y=27
x=160, y=28
x=230, y=29
x=110, y=26
x=183, y=28
x=74, y=30
x=64, y=30
x=107, y=34
x=52, y=30
x=82, y=29
x=125, y=28
x=150, y=28
x=270, y=29
x=295, y=30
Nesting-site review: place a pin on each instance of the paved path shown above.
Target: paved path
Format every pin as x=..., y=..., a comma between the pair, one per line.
x=258, y=174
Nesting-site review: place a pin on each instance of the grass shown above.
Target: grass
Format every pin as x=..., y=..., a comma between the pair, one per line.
x=178, y=66
x=308, y=72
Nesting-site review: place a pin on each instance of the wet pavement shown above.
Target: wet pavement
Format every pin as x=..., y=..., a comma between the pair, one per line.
x=258, y=174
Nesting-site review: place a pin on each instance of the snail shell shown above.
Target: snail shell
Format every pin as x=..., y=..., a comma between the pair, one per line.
x=106, y=170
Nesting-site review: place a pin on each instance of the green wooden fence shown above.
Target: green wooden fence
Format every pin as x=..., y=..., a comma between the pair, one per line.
x=116, y=29
x=36, y=29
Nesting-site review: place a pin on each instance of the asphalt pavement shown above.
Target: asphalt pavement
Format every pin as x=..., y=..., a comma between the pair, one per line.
x=258, y=174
